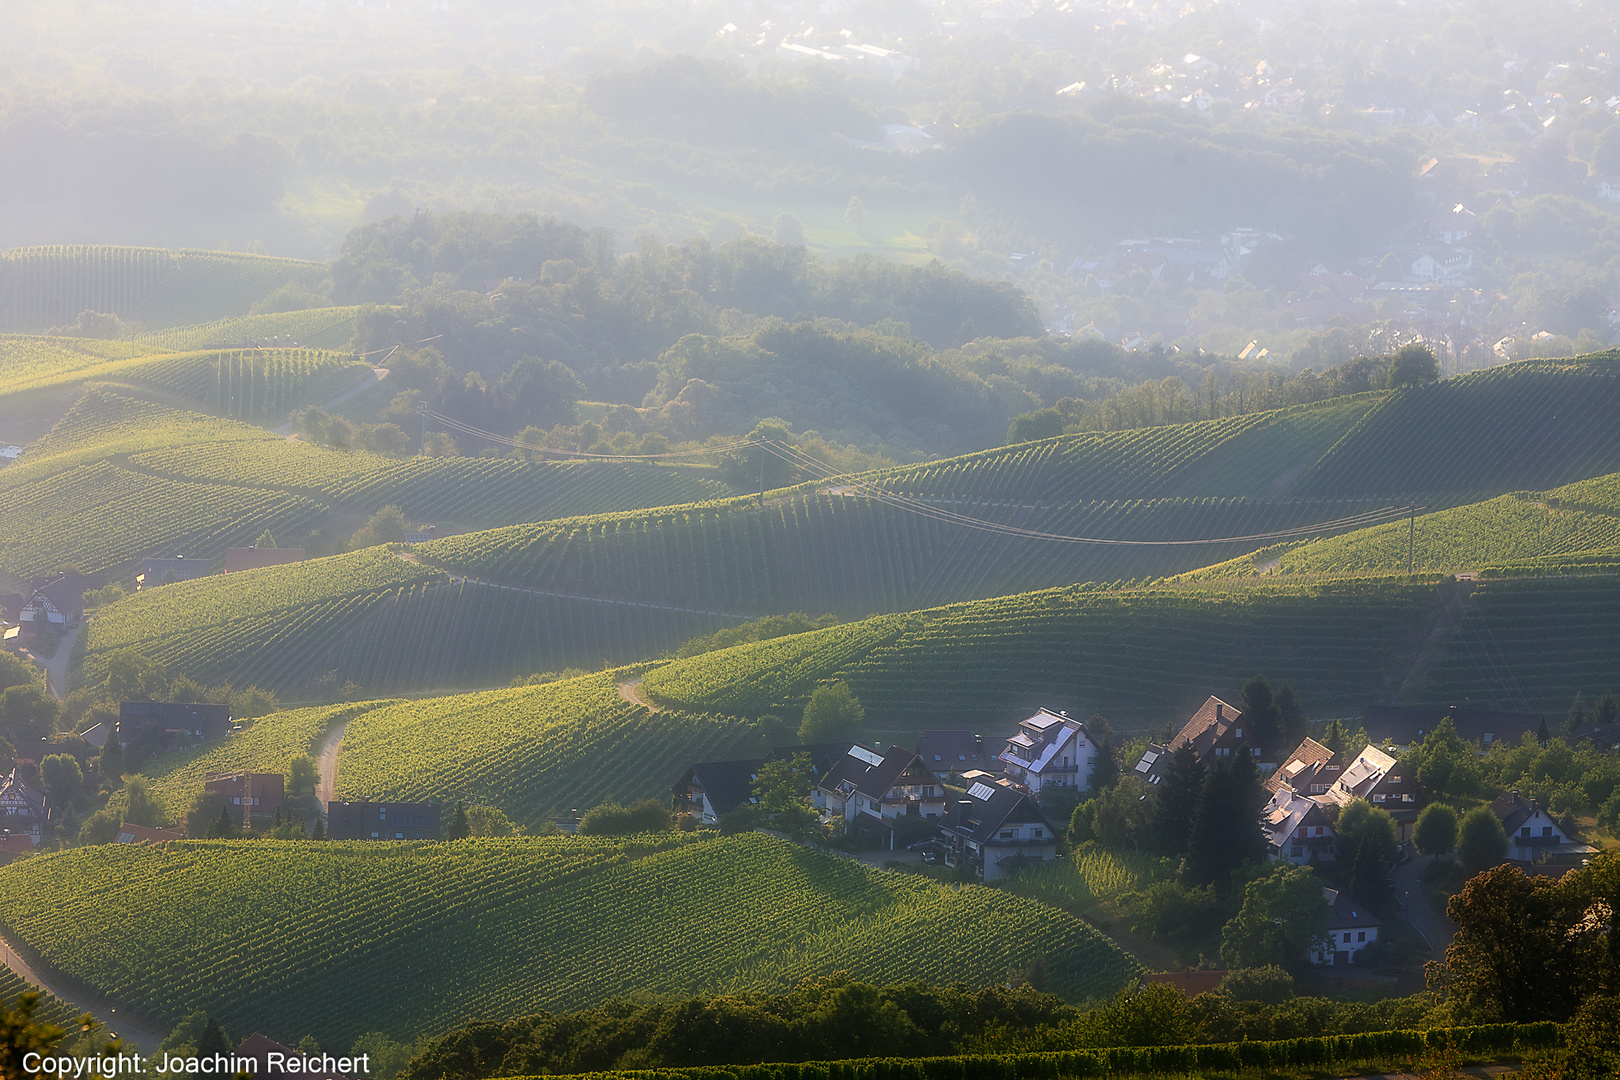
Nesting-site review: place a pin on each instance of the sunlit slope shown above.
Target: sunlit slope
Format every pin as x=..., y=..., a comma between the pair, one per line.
x=533, y=750
x=313, y=328
x=119, y=479
x=1132, y=654
x=46, y=287
x=294, y=938
x=618, y=587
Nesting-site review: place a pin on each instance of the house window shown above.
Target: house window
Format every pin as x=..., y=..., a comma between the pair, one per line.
x=1378, y=797
x=238, y=802
x=399, y=836
x=1546, y=830
x=1239, y=733
x=1037, y=832
x=1319, y=830
x=1525, y=831
x=1347, y=937
x=1006, y=834
x=936, y=757
x=959, y=757
x=1406, y=796
x=1361, y=935
x=374, y=836
x=1297, y=851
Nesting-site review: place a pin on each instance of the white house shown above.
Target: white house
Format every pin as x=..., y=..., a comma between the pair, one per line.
x=1297, y=830
x=56, y=604
x=1050, y=750
x=880, y=787
x=1350, y=928
x=1530, y=829
x=996, y=830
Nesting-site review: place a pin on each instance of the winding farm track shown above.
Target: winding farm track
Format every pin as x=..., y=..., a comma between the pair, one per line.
x=125, y=1026
x=630, y=690
x=377, y=375
x=326, y=761
x=56, y=668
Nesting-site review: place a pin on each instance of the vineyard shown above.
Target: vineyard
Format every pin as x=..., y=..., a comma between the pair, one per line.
x=252, y=382
x=47, y=287
x=51, y=1009
x=1530, y=645
x=269, y=744
x=293, y=938
x=1133, y=654
x=31, y=362
x=532, y=751
x=317, y=328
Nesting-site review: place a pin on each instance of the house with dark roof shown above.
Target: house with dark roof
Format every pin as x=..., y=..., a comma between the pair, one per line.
x=365, y=820
x=171, y=723
x=1310, y=770
x=1049, y=750
x=53, y=603
x=1350, y=928
x=1531, y=831
x=146, y=836
x=155, y=572
x=996, y=829
x=271, y=1058
x=710, y=789
x=951, y=751
x=250, y=797
x=1214, y=732
x=880, y=787
x=1403, y=725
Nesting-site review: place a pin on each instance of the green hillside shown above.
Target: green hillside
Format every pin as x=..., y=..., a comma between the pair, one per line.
x=119, y=478
x=533, y=751
x=294, y=938
x=628, y=585
x=45, y=287
x=315, y=328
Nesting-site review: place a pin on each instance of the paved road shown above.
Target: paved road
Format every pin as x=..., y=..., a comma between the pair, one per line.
x=123, y=1025
x=56, y=668
x=1436, y=929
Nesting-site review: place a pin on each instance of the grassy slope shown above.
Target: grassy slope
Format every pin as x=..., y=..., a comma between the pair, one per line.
x=294, y=938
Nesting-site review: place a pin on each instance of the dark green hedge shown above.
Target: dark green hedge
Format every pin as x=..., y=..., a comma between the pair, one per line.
x=1326, y=1050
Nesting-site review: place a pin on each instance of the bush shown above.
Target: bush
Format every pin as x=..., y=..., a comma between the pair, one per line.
x=1270, y=985
x=611, y=819
x=1481, y=843
x=100, y=827
x=1436, y=831
x=832, y=712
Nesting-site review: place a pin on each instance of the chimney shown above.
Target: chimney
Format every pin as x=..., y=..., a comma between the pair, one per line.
x=1218, y=710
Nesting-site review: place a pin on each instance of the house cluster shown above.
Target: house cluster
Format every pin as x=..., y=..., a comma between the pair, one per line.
x=168, y=571
x=51, y=604
x=996, y=826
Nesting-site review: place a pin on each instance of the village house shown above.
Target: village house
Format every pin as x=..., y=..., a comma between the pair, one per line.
x=1382, y=780
x=1315, y=774
x=948, y=751
x=1531, y=831
x=877, y=788
x=53, y=604
x=155, y=572
x=1350, y=928
x=1297, y=829
x=1215, y=731
x=996, y=829
x=146, y=836
x=1050, y=750
x=1403, y=725
x=171, y=723
x=709, y=789
x=22, y=808
x=365, y=820
x=249, y=796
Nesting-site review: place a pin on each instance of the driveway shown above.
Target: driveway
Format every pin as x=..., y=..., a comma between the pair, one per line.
x=56, y=668
x=124, y=1026
x=1436, y=929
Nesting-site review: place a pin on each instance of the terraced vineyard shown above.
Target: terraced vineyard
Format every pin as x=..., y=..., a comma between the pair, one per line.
x=534, y=750
x=51, y=1009
x=31, y=362
x=317, y=328
x=1132, y=654
x=252, y=382
x=46, y=287
x=118, y=478
x=1530, y=645
x=268, y=745
x=293, y=938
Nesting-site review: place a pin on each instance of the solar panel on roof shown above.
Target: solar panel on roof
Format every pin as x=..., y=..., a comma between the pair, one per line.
x=981, y=791
x=860, y=753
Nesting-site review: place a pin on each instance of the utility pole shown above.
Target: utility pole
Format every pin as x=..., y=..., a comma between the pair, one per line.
x=762, y=474
x=1411, y=535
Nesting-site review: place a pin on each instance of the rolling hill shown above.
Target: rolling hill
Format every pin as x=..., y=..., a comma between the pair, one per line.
x=293, y=938
x=623, y=586
x=120, y=478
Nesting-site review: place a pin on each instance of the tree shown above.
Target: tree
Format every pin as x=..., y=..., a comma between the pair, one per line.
x=27, y=714
x=387, y=526
x=1444, y=764
x=1481, y=843
x=303, y=775
x=1413, y=365
x=62, y=777
x=458, y=828
x=15, y=671
x=544, y=393
x=1270, y=985
x=1513, y=957
x=1260, y=714
x=1291, y=719
x=1390, y=268
x=265, y=540
x=318, y=832
x=1118, y=819
x=611, y=819
x=833, y=712
x=1436, y=831
x=204, y=811
x=1607, y=710
x=213, y=1040
x=782, y=789
x=1175, y=800
x=488, y=821
x=788, y=229
x=1370, y=874
x=111, y=765
x=1592, y=1037
x=1030, y=426
x=100, y=827
x=1105, y=773
x=1283, y=917
x=855, y=215
x=1333, y=737
x=1224, y=832
x=382, y=438
x=439, y=444
x=224, y=826
x=1578, y=714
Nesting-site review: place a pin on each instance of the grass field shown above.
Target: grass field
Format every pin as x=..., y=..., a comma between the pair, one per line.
x=294, y=938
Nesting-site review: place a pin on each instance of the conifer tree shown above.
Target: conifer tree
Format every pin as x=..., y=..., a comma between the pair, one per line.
x=1175, y=799
x=459, y=828
x=1225, y=830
